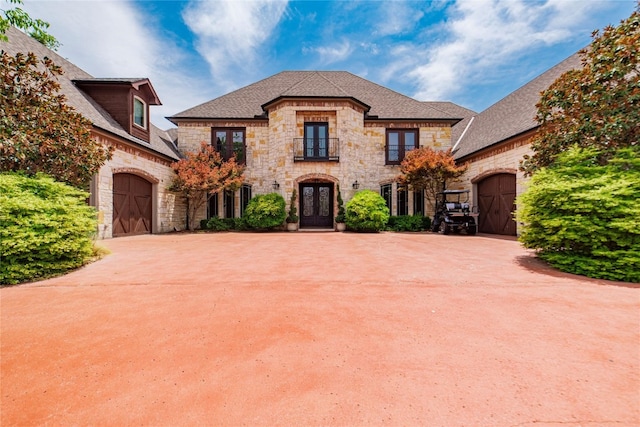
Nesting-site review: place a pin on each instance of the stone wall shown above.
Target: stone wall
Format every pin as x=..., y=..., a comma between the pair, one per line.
x=270, y=146
x=167, y=207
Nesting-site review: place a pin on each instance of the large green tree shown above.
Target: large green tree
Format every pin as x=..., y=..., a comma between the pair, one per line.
x=596, y=106
x=36, y=28
x=39, y=132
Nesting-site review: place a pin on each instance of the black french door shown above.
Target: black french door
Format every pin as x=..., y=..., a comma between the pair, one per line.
x=316, y=205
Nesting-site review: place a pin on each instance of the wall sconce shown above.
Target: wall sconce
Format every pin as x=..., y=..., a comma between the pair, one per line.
x=356, y=185
x=275, y=185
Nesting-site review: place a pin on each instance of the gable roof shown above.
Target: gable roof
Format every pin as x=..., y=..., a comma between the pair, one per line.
x=512, y=115
x=20, y=42
x=379, y=102
x=136, y=83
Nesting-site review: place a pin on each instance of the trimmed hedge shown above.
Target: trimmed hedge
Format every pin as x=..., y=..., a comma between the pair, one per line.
x=224, y=224
x=409, y=223
x=46, y=228
x=265, y=211
x=366, y=211
x=583, y=217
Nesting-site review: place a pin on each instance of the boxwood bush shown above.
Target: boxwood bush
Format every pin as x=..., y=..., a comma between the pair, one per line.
x=367, y=212
x=409, y=223
x=583, y=217
x=46, y=228
x=265, y=211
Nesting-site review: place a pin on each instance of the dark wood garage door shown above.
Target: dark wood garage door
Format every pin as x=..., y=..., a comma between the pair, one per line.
x=131, y=205
x=496, y=196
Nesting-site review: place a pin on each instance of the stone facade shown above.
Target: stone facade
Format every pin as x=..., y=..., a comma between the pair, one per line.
x=167, y=208
x=270, y=147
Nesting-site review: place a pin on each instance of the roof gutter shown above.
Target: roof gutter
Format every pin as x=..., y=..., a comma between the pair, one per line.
x=455, y=146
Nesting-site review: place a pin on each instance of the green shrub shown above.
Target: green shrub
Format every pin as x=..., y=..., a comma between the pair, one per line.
x=265, y=211
x=292, y=216
x=583, y=217
x=217, y=224
x=46, y=228
x=239, y=224
x=366, y=211
x=409, y=223
x=340, y=215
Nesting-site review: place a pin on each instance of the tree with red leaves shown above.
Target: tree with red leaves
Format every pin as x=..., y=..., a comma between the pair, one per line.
x=429, y=169
x=201, y=174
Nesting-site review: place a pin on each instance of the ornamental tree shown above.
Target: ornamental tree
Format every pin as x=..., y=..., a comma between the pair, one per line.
x=596, y=106
x=39, y=132
x=427, y=169
x=36, y=28
x=201, y=174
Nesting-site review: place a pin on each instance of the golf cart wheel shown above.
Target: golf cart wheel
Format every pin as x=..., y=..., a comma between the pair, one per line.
x=471, y=230
x=444, y=229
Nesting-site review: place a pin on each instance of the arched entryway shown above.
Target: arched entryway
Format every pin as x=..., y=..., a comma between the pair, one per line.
x=496, y=197
x=316, y=204
x=132, y=205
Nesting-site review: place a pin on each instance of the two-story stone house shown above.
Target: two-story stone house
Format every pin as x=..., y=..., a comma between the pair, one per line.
x=313, y=131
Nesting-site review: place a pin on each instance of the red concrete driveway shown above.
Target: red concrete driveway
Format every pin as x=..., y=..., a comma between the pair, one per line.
x=311, y=329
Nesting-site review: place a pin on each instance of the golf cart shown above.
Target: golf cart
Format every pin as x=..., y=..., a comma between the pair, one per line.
x=453, y=213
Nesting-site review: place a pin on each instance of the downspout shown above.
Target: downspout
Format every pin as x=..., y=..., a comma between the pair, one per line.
x=463, y=133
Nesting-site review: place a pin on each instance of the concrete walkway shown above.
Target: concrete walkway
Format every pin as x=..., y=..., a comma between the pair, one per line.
x=309, y=329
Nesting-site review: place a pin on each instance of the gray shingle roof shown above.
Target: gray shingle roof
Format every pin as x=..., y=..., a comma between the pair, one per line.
x=458, y=111
x=19, y=42
x=512, y=115
x=247, y=102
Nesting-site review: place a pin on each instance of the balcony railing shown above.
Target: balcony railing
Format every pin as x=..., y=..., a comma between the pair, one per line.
x=316, y=150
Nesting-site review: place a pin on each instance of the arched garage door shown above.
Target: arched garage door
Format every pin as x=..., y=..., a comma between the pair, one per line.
x=496, y=196
x=131, y=205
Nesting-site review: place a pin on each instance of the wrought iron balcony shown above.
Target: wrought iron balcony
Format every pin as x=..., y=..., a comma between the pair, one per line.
x=316, y=150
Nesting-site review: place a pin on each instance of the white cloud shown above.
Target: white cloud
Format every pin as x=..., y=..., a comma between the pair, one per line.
x=230, y=33
x=485, y=34
x=114, y=39
x=397, y=18
x=330, y=54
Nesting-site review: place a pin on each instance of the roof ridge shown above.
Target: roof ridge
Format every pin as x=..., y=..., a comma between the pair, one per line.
x=321, y=74
x=307, y=75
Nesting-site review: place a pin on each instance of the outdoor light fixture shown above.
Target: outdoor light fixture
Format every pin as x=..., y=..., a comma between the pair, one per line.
x=356, y=185
x=275, y=185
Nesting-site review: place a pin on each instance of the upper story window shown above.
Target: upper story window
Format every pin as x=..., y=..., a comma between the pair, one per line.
x=399, y=143
x=139, y=112
x=316, y=146
x=229, y=142
x=316, y=140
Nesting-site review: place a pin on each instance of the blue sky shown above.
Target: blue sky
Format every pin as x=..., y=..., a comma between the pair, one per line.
x=471, y=52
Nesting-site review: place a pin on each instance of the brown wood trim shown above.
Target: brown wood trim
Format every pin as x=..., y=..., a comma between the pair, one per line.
x=486, y=174
x=138, y=172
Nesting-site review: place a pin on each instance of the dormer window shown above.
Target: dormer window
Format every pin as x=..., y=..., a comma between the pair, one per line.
x=139, y=112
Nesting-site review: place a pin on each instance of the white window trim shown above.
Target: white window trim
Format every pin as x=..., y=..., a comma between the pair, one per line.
x=144, y=115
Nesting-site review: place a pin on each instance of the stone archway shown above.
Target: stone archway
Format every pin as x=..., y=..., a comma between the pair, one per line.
x=317, y=202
